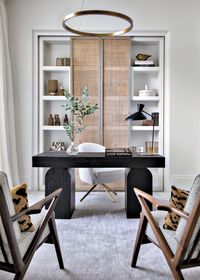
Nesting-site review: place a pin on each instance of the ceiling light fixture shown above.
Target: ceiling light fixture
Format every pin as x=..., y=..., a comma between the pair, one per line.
x=97, y=12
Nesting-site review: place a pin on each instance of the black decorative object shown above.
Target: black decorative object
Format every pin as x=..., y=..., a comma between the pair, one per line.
x=139, y=116
x=65, y=121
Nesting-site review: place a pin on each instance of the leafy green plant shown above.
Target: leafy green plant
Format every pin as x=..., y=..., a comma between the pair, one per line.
x=79, y=108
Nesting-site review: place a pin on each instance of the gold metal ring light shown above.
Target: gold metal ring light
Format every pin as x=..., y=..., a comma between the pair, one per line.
x=97, y=12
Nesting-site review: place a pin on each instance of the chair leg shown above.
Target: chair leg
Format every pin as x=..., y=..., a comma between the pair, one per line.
x=19, y=276
x=88, y=193
x=53, y=230
x=140, y=235
x=177, y=274
x=109, y=189
x=108, y=192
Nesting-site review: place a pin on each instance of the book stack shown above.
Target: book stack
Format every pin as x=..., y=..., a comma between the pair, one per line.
x=147, y=123
x=155, y=115
x=144, y=63
x=118, y=152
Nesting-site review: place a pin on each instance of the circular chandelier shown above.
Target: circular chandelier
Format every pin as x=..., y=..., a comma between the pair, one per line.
x=97, y=12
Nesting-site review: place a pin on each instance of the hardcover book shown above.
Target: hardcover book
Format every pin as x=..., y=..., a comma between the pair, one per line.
x=126, y=152
x=143, y=62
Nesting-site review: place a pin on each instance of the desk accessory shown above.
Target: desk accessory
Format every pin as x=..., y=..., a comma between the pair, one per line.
x=139, y=116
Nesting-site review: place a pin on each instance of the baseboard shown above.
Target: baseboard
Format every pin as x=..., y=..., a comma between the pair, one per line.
x=182, y=181
x=42, y=188
x=27, y=180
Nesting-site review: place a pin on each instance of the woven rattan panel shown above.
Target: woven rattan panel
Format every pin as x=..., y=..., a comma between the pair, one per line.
x=115, y=95
x=116, y=88
x=85, y=69
x=86, y=73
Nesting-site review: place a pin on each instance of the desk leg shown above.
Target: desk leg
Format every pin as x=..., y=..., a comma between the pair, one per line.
x=62, y=178
x=140, y=178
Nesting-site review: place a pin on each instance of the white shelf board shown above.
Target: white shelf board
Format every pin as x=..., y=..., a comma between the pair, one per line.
x=145, y=98
x=53, y=98
x=145, y=69
x=144, y=128
x=52, y=127
x=56, y=68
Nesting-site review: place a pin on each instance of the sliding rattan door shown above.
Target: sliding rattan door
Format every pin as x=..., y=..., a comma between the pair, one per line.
x=85, y=72
x=85, y=67
x=103, y=66
x=116, y=65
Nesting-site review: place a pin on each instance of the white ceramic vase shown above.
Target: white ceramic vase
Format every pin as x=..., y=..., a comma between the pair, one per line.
x=72, y=150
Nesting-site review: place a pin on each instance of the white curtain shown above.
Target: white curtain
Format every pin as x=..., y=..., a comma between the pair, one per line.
x=8, y=154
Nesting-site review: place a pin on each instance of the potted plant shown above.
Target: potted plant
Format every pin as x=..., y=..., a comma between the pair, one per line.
x=80, y=108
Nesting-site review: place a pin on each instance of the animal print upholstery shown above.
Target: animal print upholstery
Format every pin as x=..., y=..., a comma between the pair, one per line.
x=20, y=201
x=177, y=200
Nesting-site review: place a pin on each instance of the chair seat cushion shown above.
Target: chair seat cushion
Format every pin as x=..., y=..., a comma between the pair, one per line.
x=27, y=237
x=109, y=175
x=169, y=235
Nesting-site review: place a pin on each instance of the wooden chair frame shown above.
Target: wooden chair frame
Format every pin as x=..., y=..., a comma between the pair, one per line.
x=20, y=265
x=175, y=261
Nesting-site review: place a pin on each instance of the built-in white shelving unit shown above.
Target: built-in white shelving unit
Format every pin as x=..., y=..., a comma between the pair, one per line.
x=53, y=127
x=152, y=76
x=51, y=48
x=53, y=98
x=146, y=98
x=145, y=128
x=56, y=68
x=145, y=69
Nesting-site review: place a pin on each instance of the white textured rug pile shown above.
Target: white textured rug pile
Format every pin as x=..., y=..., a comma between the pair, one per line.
x=97, y=244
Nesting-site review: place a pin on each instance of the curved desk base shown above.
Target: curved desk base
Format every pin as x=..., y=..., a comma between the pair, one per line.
x=64, y=178
x=140, y=178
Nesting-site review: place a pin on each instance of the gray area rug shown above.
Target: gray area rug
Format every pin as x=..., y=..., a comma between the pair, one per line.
x=97, y=244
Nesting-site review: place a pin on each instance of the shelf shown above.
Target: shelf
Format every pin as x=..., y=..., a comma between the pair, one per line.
x=56, y=68
x=53, y=98
x=145, y=69
x=52, y=127
x=145, y=128
x=146, y=98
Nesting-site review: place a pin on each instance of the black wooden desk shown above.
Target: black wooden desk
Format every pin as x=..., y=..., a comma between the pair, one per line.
x=61, y=174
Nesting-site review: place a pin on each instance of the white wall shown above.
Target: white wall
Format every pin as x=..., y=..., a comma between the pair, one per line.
x=180, y=17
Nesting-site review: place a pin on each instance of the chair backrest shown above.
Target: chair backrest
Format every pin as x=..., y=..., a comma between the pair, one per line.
x=91, y=147
x=86, y=174
x=6, y=200
x=191, y=208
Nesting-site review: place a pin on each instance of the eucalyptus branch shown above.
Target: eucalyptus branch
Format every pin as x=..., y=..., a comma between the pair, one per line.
x=80, y=108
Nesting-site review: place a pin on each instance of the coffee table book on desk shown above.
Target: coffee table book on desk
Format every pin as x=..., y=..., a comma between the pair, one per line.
x=61, y=174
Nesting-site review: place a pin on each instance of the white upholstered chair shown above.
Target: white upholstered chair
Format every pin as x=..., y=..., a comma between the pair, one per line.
x=99, y=176
x=181, y=247
x=17, y=248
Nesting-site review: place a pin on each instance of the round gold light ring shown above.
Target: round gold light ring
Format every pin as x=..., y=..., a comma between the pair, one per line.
x=97, y=12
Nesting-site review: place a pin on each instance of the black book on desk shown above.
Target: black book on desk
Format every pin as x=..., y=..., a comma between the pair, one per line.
x=118, y=152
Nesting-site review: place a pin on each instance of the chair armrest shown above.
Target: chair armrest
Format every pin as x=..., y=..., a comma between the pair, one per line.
x=37, y=207
x=160, y=206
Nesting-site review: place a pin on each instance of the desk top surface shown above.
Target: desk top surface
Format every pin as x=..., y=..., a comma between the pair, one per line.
x=63, y=160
